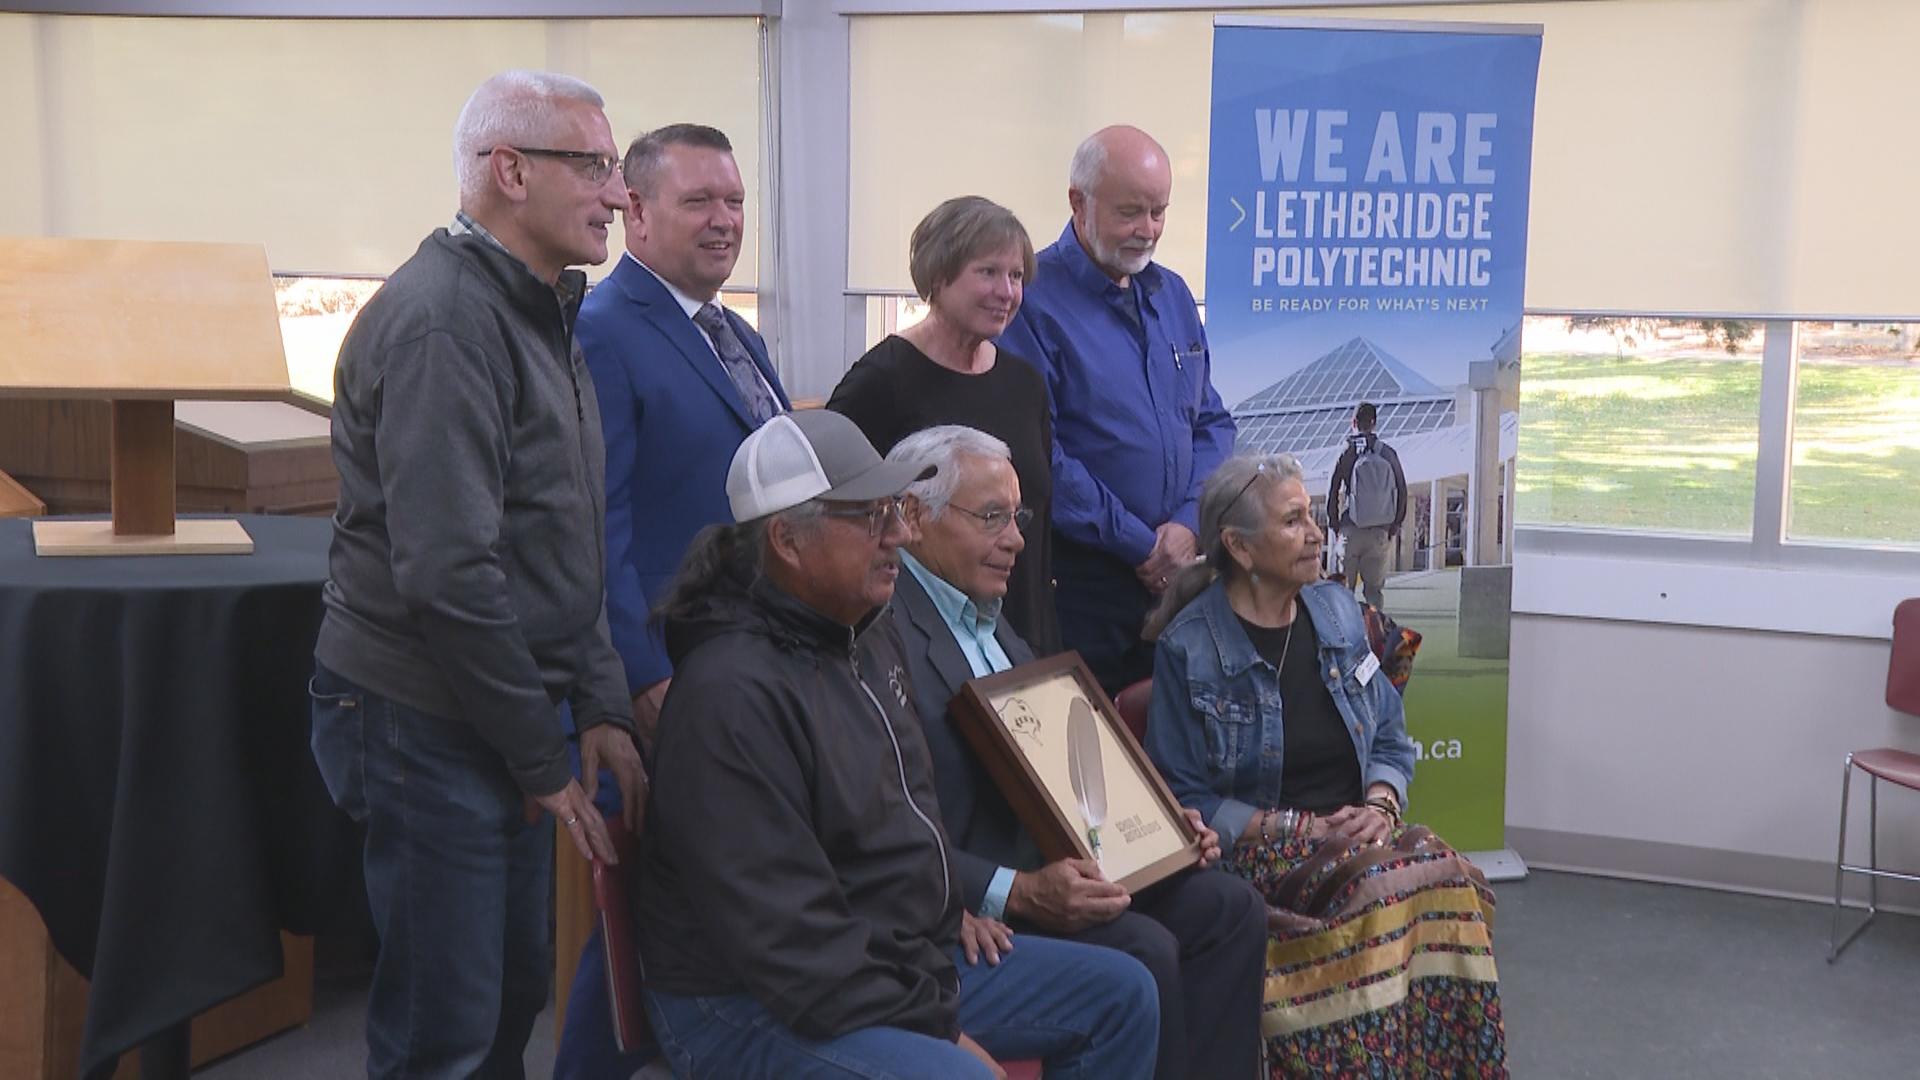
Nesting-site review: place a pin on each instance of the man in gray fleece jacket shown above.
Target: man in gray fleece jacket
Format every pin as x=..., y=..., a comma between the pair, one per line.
x=466, y=591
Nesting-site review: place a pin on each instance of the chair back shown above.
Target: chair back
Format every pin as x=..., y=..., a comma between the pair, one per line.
x=1903, y=667
x=1132, y=704
x=613, y=902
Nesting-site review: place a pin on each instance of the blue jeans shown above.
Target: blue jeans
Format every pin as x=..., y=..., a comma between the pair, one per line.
x=456, y=878
x=1091, y=1013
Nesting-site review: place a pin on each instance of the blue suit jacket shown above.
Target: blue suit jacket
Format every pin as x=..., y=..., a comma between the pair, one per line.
x=985, y=832
x=672, y=420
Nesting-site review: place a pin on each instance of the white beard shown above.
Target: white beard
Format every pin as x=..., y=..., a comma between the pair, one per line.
x=1126, y=261
x=1134, y=262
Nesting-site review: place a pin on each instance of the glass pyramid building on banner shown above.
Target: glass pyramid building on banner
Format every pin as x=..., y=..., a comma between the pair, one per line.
x=1311, y=408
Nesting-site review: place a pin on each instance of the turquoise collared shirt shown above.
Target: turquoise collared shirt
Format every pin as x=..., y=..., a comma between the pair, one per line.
x=973, y=630
x=973, y=627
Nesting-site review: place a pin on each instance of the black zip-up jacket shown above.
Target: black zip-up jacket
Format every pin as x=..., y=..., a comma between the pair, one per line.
x=467, y=577
x=792, y=849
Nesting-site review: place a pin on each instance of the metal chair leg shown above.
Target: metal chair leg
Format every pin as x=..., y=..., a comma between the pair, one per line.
x=1837, y=944
x=1873, y=845
x=1840, y=858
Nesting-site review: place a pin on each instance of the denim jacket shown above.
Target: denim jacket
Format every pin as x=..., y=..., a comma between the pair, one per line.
x=1215, y=729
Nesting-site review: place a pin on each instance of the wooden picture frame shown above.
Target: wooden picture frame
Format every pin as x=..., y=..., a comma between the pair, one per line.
x=1018, y=723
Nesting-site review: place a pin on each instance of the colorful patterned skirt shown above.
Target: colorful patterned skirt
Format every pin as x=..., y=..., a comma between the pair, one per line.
x=1379, y=959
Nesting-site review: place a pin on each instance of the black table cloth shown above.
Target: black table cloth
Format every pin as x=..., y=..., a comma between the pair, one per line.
x=158, y=800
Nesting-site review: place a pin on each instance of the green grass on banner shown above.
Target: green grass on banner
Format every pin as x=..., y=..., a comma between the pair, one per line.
x=1450, y=698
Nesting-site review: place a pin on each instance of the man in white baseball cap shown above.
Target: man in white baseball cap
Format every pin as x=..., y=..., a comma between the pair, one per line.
x=797, y=908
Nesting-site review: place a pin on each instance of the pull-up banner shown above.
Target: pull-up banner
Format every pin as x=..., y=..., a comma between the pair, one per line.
x=1367, y=237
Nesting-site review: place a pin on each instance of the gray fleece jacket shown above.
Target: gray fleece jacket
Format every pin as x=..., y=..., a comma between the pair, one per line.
x=467, y=573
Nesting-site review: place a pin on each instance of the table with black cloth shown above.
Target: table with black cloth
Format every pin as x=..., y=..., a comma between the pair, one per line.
x=159, y=804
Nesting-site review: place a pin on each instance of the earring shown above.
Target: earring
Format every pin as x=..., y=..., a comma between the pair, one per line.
x=1254, y=576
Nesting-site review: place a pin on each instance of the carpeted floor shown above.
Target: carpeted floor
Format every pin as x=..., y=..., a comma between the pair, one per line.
x=1599, y=978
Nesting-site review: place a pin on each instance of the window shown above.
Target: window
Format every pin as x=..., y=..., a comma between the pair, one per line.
x=1639, y=423
x=340, y=164
x=327, y=140
x=1772, y=99
x=1856, y=434
x=890, y=314
x=743, y=303
x=315, y=313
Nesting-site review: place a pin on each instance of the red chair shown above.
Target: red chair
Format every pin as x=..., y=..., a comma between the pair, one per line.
x=613, y=903
x=1900, y=767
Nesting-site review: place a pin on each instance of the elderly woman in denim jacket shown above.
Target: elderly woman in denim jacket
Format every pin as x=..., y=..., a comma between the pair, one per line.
x=1272, y=718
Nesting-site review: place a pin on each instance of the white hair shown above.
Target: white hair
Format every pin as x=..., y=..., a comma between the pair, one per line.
x=1088, y=163
x=513, y=108
x=943, y=447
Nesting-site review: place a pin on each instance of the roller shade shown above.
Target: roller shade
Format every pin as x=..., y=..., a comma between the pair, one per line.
x=328, y=140
x=1713, y=156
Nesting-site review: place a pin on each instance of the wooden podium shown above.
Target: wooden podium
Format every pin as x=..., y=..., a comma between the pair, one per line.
x=140, y=324
x=17, y=501
x=230, y=457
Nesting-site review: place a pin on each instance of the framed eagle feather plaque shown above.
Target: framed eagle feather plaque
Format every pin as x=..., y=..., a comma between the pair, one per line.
x=1077, y=778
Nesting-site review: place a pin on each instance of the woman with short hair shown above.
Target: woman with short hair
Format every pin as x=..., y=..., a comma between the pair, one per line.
x=970, y=260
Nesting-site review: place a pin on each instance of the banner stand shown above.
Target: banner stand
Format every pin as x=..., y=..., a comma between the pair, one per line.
x=1502, y=865
x=1367, y=202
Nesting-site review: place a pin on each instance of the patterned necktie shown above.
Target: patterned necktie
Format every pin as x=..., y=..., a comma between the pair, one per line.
x=739, y=364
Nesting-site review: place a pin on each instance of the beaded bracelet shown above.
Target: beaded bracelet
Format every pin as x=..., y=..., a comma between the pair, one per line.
x=1386, y=806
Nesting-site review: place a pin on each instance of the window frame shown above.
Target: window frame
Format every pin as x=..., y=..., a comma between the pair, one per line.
x=1767, y=544
x=1762, y=581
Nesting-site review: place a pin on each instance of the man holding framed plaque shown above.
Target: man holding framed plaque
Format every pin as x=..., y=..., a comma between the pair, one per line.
x=1199, y=932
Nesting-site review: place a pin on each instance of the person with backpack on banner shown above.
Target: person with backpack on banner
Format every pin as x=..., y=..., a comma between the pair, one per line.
x=1374, y=508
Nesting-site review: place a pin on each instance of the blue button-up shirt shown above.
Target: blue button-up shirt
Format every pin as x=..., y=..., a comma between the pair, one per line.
x=1137, y=426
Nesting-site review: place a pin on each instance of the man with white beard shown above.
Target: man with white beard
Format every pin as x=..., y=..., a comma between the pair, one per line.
x=1137, y=425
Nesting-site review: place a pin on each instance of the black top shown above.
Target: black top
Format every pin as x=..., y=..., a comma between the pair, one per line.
x=896, y=390
x=1320, y=770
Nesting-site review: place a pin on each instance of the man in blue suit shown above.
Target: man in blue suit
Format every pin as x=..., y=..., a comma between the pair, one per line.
x=681, y=382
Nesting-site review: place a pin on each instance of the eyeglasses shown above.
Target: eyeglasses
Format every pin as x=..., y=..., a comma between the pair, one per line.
x=595, y=166
x=995, y=520
x=1258, y=471
x=875, y=514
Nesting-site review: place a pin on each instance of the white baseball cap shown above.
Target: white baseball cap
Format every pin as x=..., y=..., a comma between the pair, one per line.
x=811, y=454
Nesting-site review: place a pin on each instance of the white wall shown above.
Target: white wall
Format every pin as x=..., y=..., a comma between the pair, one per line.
x=1695, y=753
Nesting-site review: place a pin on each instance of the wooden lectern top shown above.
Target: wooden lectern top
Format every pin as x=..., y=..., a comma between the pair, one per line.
x=128, y=319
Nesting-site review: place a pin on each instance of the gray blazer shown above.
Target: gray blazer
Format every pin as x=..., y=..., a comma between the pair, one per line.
x=984, y=831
